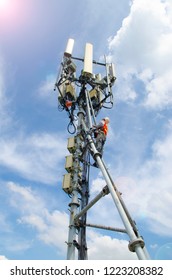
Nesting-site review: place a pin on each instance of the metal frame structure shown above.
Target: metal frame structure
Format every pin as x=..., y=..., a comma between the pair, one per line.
x=82, y=108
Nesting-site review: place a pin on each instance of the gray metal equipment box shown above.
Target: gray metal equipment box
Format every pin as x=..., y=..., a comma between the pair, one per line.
x=69, y=163
x=67, y=183
x=71, y=145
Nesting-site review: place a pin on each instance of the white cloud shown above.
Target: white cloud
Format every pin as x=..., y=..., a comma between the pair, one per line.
x=159, y=186
x=102, y=247
x=97, y=185
x=159, y=90
x=33, y=212
x=18, y=245
x=147, y=191
x=48, y=85
x=24, y=196
x=154, y=246
x=143, y=42
x=46, y=90
x=36, y=157
x=4, y=117
x=3, y=257
x=5, y=227
x=48, y=223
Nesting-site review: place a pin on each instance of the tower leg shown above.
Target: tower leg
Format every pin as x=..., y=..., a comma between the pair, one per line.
x=82, y=252
x=72, y=242
x=72, y=229
x=136, y=244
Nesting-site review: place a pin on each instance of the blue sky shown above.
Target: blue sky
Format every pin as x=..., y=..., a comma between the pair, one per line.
x=136, y=36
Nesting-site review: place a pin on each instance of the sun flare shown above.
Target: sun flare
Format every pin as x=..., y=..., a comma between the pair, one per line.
x=10, y=12
x=4, y=3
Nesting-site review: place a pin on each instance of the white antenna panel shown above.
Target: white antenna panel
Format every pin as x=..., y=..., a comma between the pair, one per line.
x=112, y=70
x=69, y=48
x=88, y=60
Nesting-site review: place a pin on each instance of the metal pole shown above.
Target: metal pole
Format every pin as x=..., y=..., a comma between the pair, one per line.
x=107, y=228
x=91, y=108
x=138, y=249
x=88, y=110
x=133, y=224
x=146, y=253
x=72, y=230
x=82, y=251
x=104, y=192
x=74, y=202
x=134, y=239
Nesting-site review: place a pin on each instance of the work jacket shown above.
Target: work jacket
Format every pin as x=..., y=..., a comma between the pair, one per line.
x=103, y=127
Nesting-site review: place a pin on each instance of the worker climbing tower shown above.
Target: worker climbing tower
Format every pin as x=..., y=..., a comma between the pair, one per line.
x=82, y=94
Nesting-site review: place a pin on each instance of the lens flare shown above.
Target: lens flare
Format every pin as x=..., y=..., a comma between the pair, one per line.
x=164, y=252
x=13, y=14
x=4, y=4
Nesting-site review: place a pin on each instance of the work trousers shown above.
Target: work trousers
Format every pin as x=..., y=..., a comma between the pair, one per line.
x=100, y=141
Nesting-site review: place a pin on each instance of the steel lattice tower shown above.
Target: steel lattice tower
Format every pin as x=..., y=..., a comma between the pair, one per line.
x=82, y=97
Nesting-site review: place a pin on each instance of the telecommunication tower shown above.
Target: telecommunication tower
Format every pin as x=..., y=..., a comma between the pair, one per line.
x=82, y=95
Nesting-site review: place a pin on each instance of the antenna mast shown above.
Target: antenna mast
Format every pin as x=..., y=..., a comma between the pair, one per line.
x=82, y=97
